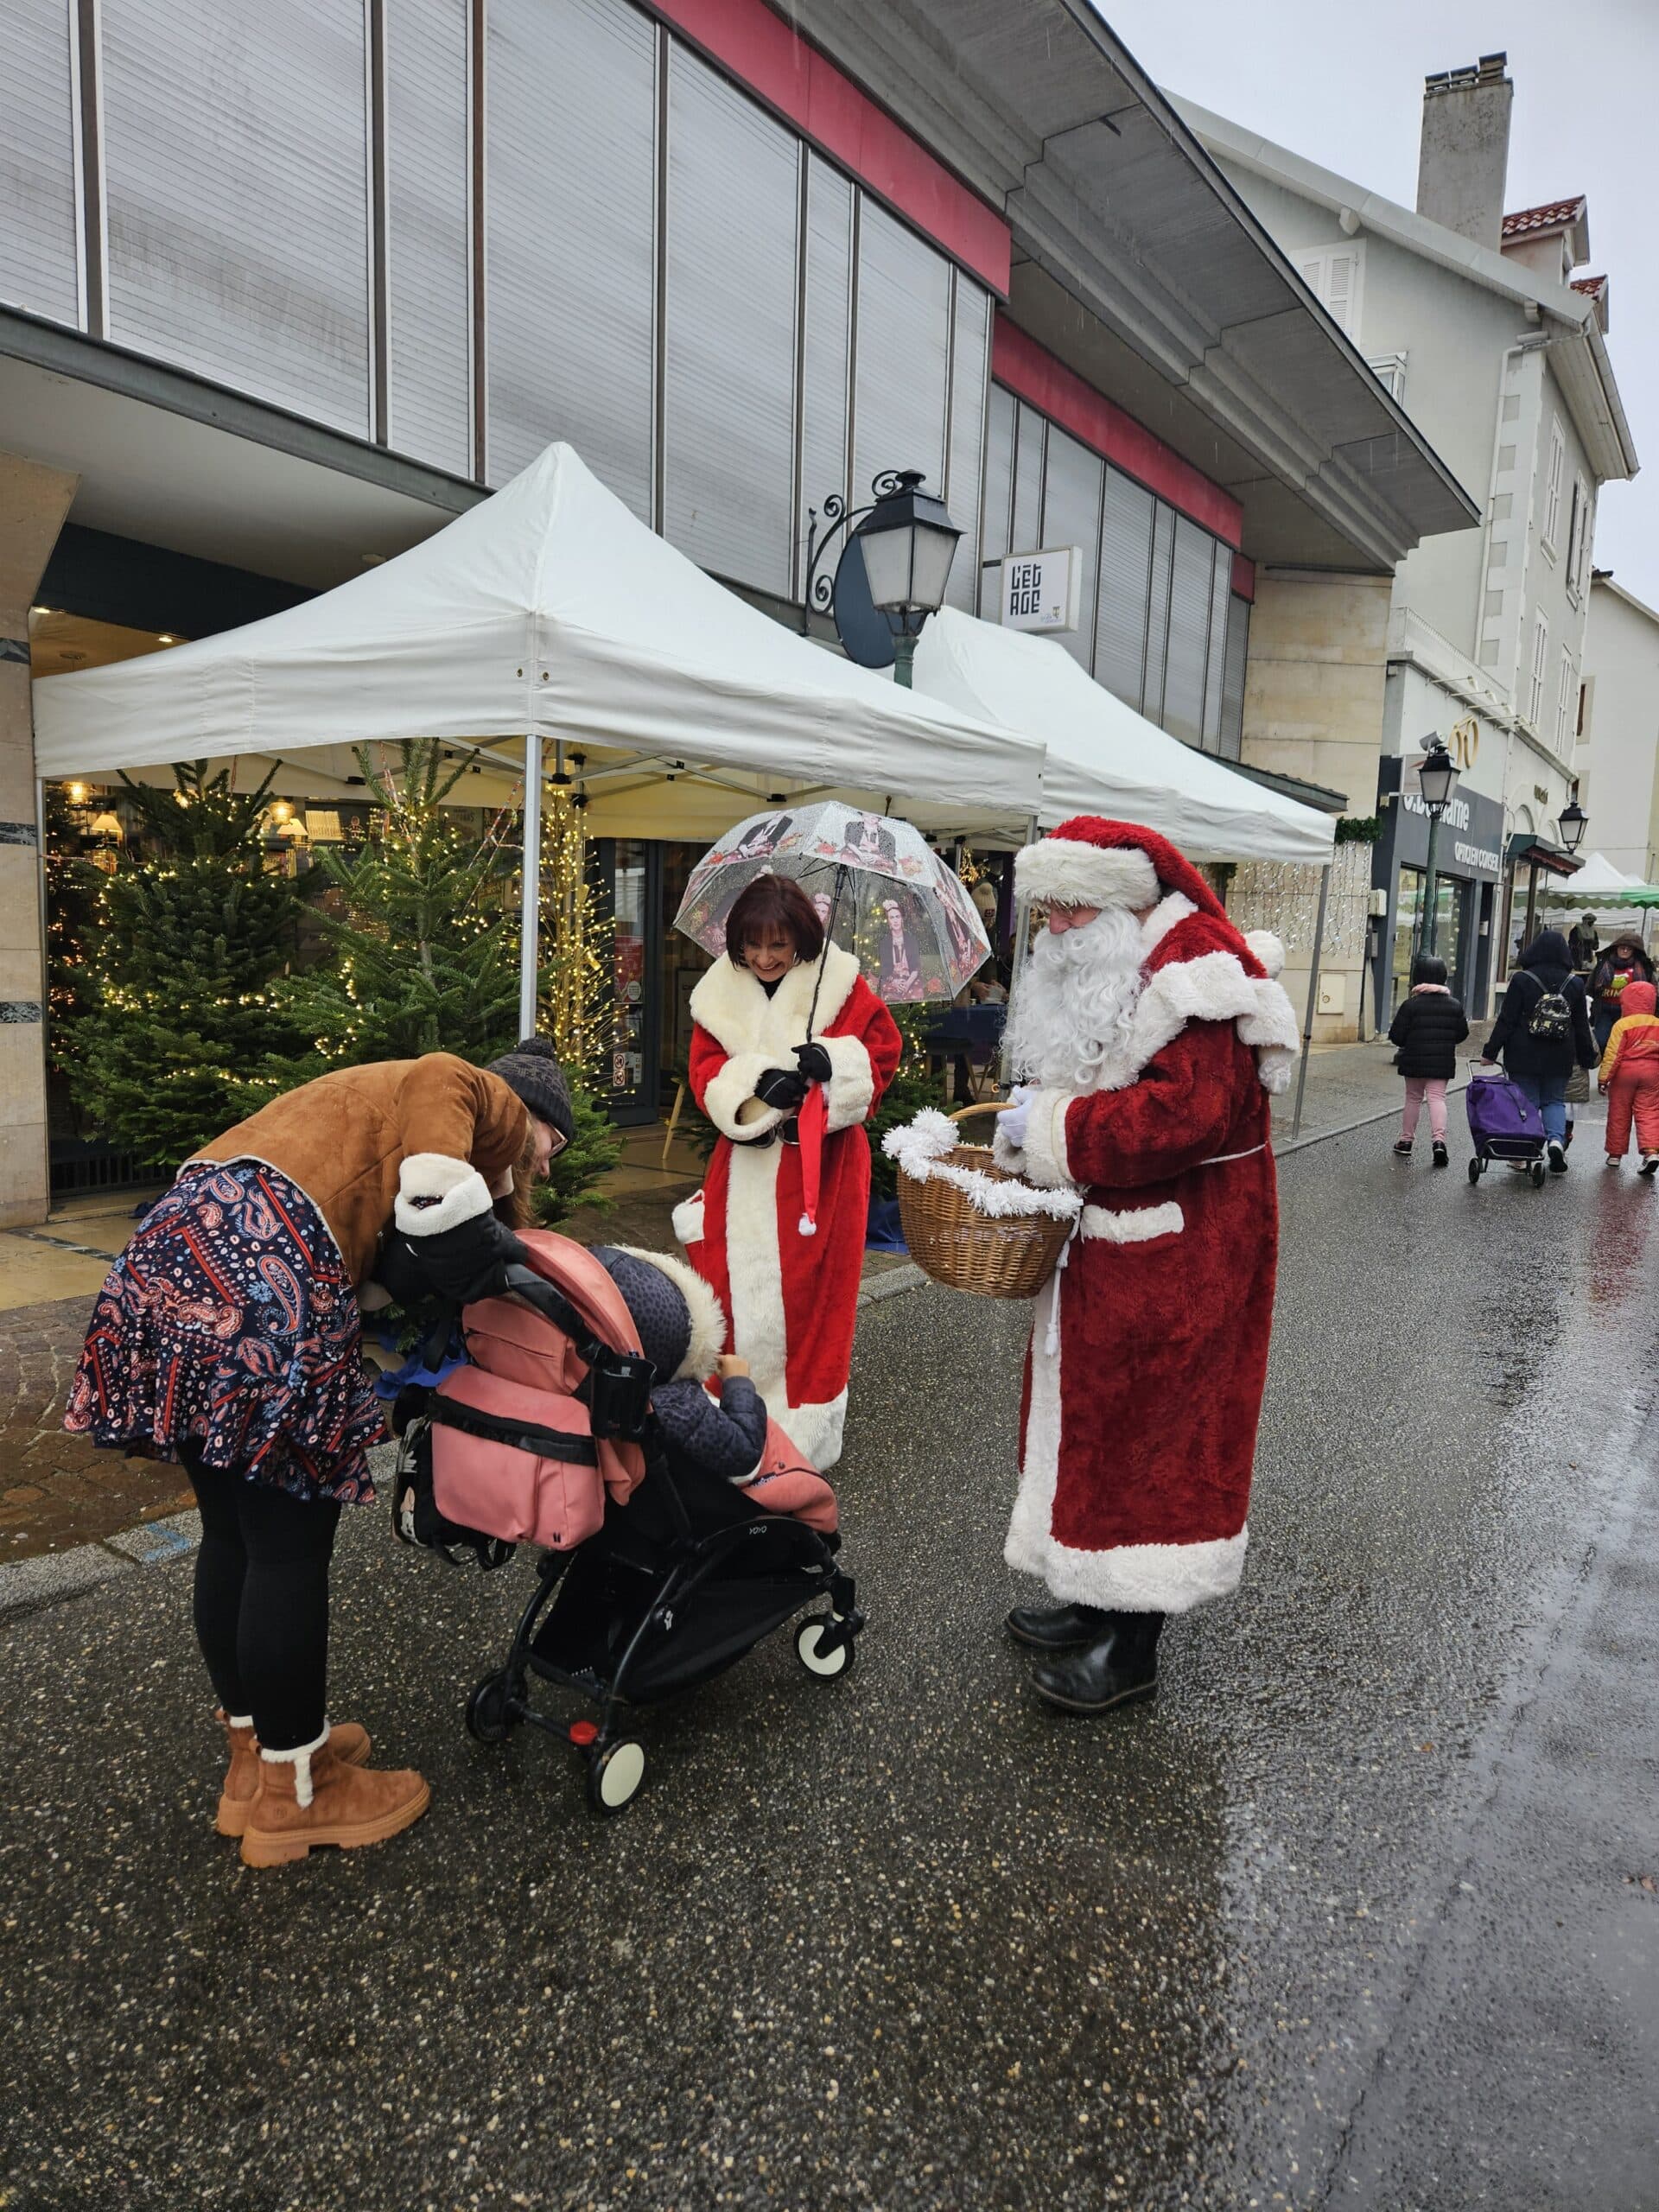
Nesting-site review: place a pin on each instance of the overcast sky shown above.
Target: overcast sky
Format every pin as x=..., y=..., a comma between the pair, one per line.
x=1343, y=87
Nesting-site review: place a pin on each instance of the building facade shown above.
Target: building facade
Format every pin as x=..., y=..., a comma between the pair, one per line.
x=1617, y=757
x=1471, y=318
x=282, y=291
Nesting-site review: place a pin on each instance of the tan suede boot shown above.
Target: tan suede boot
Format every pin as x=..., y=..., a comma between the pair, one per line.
x=351, y=1744
x=311, y=1796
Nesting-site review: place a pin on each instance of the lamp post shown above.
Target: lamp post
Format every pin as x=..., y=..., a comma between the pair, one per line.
x=906, y=542
x=1572, y=824
x=1437, y=779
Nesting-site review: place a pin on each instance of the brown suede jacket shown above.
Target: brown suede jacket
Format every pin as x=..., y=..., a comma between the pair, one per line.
x=422, y=1139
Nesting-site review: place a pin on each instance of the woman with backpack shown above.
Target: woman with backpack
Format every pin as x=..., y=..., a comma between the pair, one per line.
x=1428, y=1027
x=1542, y=1033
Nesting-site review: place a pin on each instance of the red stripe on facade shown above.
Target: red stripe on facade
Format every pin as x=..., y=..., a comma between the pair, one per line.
x=1244, y=576
x=774, y=62
x=1033, y=373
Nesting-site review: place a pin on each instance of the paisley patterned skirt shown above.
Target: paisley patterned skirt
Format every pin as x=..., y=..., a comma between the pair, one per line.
x=228, y=1325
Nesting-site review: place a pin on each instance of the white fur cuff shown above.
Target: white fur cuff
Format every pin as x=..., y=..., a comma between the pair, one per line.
x=1043, y=1159
x=731, y=1091
x=851, y=1085
x=300, y=1760
x=1065, y=872
x=435, y=1192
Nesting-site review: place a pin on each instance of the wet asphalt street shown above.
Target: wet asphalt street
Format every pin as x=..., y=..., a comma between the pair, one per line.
x=1364, y=1912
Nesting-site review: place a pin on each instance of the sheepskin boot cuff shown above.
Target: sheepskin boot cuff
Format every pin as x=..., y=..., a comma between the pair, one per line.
x=300, y=1759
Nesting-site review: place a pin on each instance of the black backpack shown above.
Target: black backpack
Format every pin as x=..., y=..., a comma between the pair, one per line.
x=1552, y=1018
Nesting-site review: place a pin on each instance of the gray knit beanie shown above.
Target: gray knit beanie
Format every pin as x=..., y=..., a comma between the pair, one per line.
x=531, y=1072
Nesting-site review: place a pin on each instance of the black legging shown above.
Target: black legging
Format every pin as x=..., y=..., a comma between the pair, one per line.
x=261, y=1603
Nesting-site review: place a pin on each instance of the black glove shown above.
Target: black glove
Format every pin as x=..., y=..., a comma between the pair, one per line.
x=784, y=1088
x=814, y=1061
x=454, y=1267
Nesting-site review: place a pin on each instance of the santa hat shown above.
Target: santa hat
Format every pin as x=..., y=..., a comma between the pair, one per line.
x=1090, y=861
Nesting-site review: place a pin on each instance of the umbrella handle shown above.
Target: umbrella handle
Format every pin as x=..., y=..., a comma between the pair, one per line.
x=828, y=939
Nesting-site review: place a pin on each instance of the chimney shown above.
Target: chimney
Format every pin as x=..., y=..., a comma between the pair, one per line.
x=1464, y=164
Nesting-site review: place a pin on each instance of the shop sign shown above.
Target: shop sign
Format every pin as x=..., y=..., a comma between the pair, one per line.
x=1043, y=591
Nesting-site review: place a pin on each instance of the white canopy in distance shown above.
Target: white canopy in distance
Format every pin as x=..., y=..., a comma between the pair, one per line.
x=1102, y=758
x=549, y=610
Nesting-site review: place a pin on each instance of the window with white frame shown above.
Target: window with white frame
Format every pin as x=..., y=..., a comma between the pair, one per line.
x=1539, y=660
x=1566, y=699
x=1389, y=370
x=1553, y=488
x=1578, y=549
x=1334, y=277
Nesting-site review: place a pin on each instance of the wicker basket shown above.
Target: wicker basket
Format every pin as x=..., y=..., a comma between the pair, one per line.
x=951, y=1240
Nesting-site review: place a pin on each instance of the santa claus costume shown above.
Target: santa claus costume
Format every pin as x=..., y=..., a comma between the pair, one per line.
x=791, y=1290
x=1153, y=1036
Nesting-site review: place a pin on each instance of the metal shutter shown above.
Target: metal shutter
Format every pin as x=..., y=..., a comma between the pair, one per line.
x=236, y=165
x=1232, y=682
x=999, y=486
x=1163, y=545
x=903, y=311
x=1221, y=591
x=970, y=366
x=1189, y=630
x=728, y=363
x=429, y=320
x=1071, y=516
x=825, y=343
x=1025, y=524
x=1125, y=567
x=571, y=133
x=39, y=251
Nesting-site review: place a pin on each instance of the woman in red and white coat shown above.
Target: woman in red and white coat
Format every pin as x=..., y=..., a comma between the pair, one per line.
x=792, y=1297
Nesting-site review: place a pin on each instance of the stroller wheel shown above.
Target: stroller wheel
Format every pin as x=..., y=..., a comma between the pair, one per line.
x=1474, y=1171
x=825, y=1664
x=488, y=1718
x=614, y=1773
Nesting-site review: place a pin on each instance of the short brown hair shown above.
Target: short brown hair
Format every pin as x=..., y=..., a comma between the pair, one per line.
x=773, y=902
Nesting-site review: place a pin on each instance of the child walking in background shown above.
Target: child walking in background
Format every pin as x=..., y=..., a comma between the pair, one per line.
x=1629, y=1077
x=1428, y=1027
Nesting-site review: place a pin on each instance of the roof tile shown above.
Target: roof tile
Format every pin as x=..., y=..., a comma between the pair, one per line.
x=1553, y=215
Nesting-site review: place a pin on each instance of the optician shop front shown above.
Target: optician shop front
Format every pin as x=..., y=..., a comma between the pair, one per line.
x=1468, y=868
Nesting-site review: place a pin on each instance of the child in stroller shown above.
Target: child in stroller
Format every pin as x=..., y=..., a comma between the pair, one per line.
x=679, y=1532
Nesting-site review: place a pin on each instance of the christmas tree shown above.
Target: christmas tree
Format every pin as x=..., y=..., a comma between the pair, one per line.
x=189, y=931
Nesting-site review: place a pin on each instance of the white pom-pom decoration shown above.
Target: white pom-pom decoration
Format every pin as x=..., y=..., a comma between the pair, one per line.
x=807, y=1226
x=1268, y=948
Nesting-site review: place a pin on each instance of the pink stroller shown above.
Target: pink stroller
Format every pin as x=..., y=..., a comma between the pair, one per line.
x=654, y=1578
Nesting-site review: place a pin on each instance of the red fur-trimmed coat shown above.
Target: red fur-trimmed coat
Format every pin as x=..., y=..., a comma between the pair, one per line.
x=792, y=1299
x=1149, y=1348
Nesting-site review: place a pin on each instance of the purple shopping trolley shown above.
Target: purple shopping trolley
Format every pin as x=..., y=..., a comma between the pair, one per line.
x=1505, y=1126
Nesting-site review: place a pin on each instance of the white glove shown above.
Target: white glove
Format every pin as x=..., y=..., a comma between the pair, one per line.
x=1011, y=1125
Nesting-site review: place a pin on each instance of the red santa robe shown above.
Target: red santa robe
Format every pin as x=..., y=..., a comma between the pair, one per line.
x=1149, y=1347
x=792, y=1299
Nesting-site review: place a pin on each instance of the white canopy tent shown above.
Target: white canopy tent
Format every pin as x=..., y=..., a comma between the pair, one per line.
x=547, y=611
x=1598, y=879
x=1102, y=758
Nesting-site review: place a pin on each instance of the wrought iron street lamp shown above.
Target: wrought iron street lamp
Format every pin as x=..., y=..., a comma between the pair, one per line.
x=1437, y=779
x=906, y=542
x=1572, y=824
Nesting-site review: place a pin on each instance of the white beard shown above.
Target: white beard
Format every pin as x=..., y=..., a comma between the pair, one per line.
x=1075, y=1000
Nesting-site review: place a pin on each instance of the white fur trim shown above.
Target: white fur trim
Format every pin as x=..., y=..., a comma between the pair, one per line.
x=300, y=1760
x=239, y=1720
x=458, y=1193
x=731, y=1091
x=1134, y=1224
x=1043, y=1159
x=1066, y=872
x=851, y=1085
x=707, y=1317
x=688, y=1219
x=755, y=1267
x=919, y=1148
x=814, y=1430
x=1175, y=907
x=1268, y=950
x=737, y=1013
x=1212, y=988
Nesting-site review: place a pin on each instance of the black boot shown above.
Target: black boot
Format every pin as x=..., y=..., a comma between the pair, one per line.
x=1056, y=1628
x=1120, y=1667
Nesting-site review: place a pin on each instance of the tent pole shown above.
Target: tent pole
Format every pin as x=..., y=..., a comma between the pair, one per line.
x=1313, y=998
x=531, y=895
x=1021, y=932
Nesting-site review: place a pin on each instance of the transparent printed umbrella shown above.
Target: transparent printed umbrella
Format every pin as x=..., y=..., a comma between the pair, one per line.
x=881, y=892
